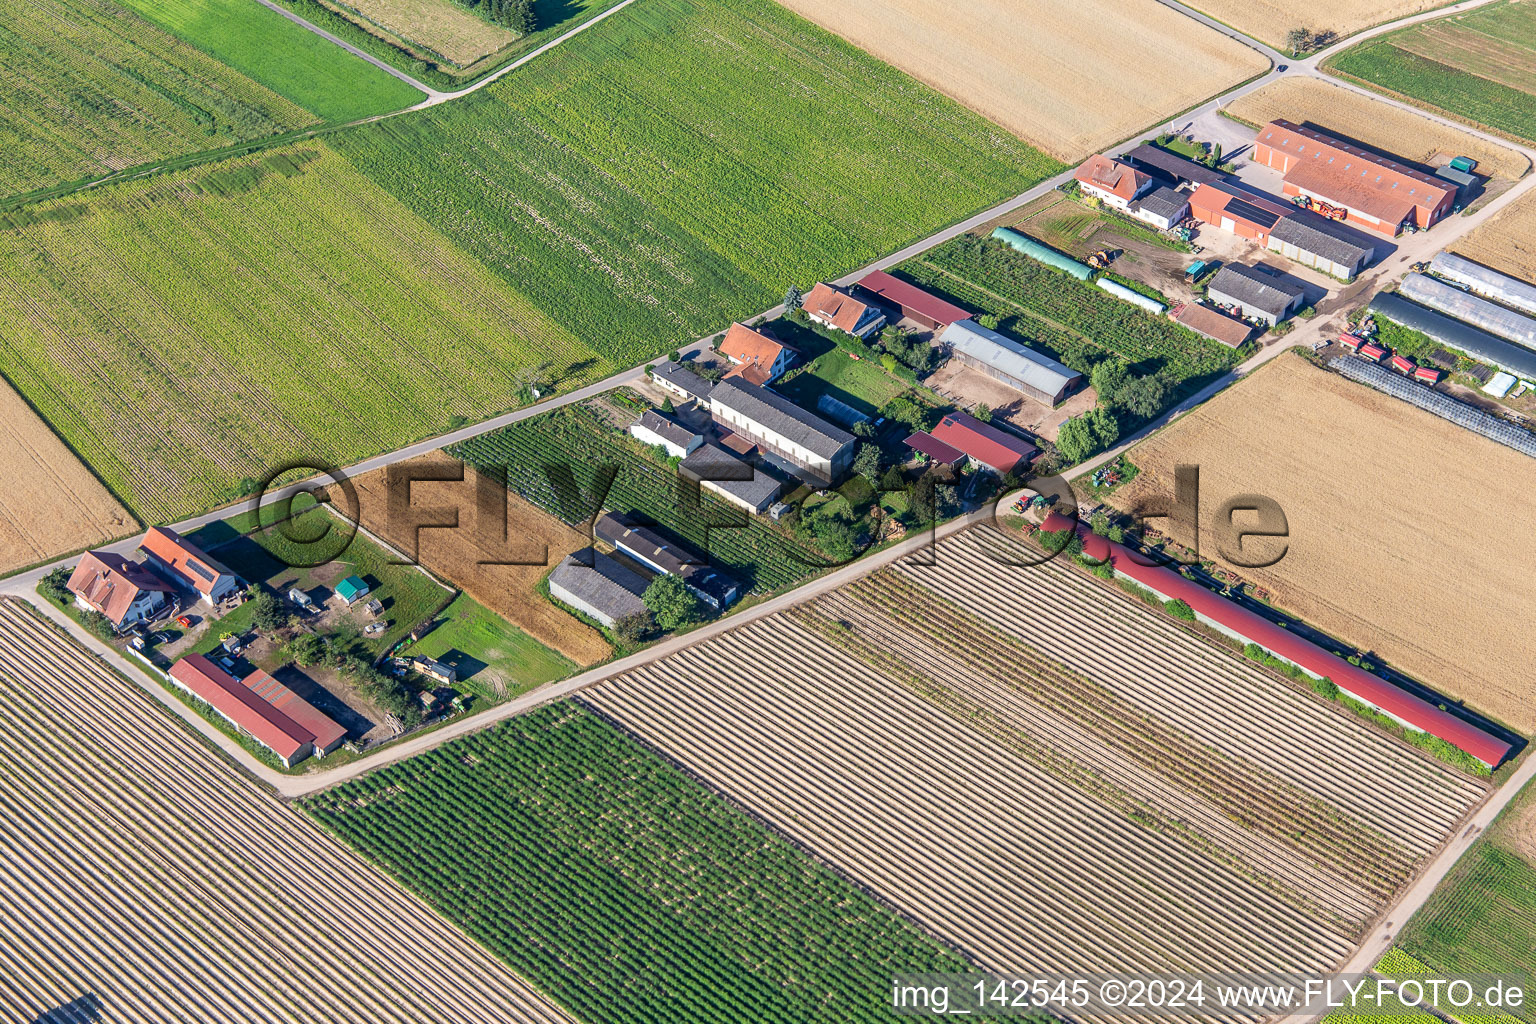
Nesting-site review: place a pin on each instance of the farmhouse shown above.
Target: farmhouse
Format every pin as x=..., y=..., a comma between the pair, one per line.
x=598, y=585
x=1231, y=208
x=912, y=302
x=1376, y=193
x=352, y=589
x=1452, y=333
x=1324, y=244
x=758, y=358
x=797, y=441
x=650, y=549
x=683, y=383
x=1170, y=167
x=835, y=308
x=655, y=429
x=328, y=734
x=1214, y=324
x=1255, y=294
x=937, y=452
x=1114, y=183
x=1250, y=628
x=734, y=479
x=255, y=716
x=984, y=444
x=125, y=592
x=1162, y=208
x=179, y=559
x=1001, y=358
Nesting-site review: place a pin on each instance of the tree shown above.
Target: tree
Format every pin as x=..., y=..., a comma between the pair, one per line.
x=864, y=429
x=989, y=321
x=1143, y=396
x=792, y=298
x=1082, y=436
x=55, y=586
x=667, y=406
x=1105, y=427
x=836, y=535
x=866, y=462
x=307, y=649
x=632, y=630
x=672, y=603
x=1108, y=378
x=1213, y=157
x=983, y=412
x=98, y=625
x=270, y=611
x=888, y=361
x=1296, y=40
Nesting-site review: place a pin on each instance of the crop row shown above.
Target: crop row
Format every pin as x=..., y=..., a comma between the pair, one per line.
x=621, y=886
x=537, y=454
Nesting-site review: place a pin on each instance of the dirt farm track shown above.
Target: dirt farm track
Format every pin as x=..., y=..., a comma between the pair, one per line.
x=145, y=877
x=1409, y=536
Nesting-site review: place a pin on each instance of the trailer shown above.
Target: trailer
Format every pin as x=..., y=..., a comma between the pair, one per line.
x=1427, y=374
x=1403, y=364
x=1351, y=341
x=1372, y=351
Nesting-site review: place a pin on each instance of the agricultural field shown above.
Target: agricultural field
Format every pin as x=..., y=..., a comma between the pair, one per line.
x=1074, y=322
x=89, y=89
x=491, y=656
x=619, y=885
x=439, y=30
x=653, y=179
x=189, y=334
x=283, y=56
x=51, y=504
x=1395, y=520
x=1048, y=773
x=1505, y=242
x=538, y=454
x=536, y=542
x=1270, y=20
x=1479, y=66
x=1387, y=129
x=1049, y=73
x=171, y=888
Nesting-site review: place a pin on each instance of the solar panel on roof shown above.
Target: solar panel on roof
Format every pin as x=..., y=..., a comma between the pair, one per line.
x=1247, y=211
x=200, y=569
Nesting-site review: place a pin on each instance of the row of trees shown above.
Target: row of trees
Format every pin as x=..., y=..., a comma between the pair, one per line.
x=517, y=15
x=1124, y=398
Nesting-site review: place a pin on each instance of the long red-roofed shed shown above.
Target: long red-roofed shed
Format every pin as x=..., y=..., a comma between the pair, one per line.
x=1358, y=683
x=240, y=705
x=913, y=302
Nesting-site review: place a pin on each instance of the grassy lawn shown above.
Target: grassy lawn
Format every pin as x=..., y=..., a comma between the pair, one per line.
x=487, y=650
x=829, y=370
x=283, y=56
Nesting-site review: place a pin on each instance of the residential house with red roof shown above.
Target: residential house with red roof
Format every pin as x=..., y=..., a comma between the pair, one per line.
x=984, y=444
x=127, y=593
x=835, y=308
x=1116, y=184
x=759, y=358
x=181, y=560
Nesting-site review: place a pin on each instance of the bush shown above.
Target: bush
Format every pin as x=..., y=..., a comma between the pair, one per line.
x=97, y=625
x=55, y=586
x=1180, y=610
x=634, y=630
x=982, y=412
x=671, y=603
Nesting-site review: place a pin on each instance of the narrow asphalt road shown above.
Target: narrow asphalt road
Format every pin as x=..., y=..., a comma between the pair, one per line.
x=388, y=69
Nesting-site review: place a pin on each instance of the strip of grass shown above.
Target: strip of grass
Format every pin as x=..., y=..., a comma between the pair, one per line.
x=287, y=58
x=493, y=657
x=621, y=887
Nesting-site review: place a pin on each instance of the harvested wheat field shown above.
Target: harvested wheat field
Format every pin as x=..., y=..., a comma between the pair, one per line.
x=1408, y=534
x=1047, y=773
x=1270, y=20
x=1054, y=74
x=533, y=536
x=145, y=875
x=1379, y=125
x=1506, y=242
x=50, y=504
x=440, y=27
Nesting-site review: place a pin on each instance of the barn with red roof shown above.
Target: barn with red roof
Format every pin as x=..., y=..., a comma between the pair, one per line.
x=260, y=707
x=912, y=302
x=983, y=443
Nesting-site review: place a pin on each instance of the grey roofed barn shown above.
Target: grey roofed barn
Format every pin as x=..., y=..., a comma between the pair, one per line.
x=1323, y=237
x=1165, y=203
x=682, y=380
x=781, y=416
x=1171, y=165
x=599, y=585
x=1254, y=289
x=1042, y=373
x=650, y=548
x=662, y=427
x=720, y=470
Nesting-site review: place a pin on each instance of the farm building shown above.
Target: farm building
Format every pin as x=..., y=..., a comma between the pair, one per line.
x=650, y=549
x=598, y=585
x=1509, y=291
x=1231, y=208
x=1170, y=167
x=1001, y=358
x=1376, y=192
x=1250, y=628
x=797, y=441
x=1116, y=184
x=912, y=302
x=757, y=358
x=984, y=444
x=937, y=451
x=1335, y=249
x=433, y=669
x=1479, y=312
x=352, y=589
x=1214, y=324
x=1021, y=242
x=179, y=559
x=682, y=382
x=734, y=479
x=1466, y=184
x=655, y=429
x=1162, y=208
x=833, y=307
x=1453, y=333
x=253, y=714
x=1257, y=295
x=127, y=593
x=328, y=735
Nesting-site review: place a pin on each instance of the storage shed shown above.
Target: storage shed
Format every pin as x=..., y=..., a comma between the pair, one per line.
x=1170, y=167
x=1245, y=214
x=1214, y=324
x=1003, y=359
x=1258, y=295
x=1162, y=208
x=984, y=444
x=598, y=585
x=1327, y=245
x=352, y=589
x=910, y=301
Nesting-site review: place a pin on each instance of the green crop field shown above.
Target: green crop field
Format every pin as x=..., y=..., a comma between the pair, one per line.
x=1479, y=66
x=189, y=332
x=678, y=166
x=537, y=452
x=1068, y=319
x=87, y=88
x=493, y=657
x=285, y=57
x=621, y=887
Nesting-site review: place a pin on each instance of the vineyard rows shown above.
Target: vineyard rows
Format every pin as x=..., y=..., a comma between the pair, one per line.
x=574, y=437
x=146, y=871
x=621, y=886
x=1030, y=807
